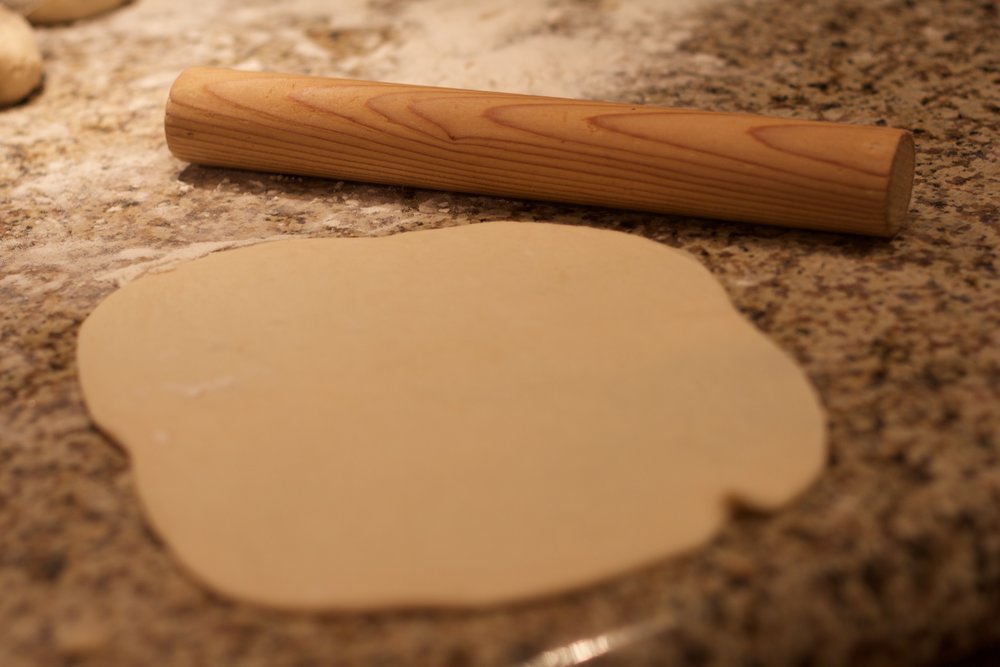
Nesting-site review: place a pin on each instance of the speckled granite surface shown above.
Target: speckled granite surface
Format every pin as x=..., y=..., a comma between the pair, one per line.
x=893, y=558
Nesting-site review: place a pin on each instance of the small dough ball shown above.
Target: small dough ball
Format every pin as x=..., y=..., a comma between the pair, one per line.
x=20, y=60
x=60, y=11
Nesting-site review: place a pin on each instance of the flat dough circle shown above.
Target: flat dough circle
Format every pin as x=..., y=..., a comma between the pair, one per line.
x=20, y=59
x=450, y=417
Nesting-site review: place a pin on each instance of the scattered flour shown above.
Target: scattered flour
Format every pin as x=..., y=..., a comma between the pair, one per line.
x=87, y=158
x=522, y=46
x=164, y=261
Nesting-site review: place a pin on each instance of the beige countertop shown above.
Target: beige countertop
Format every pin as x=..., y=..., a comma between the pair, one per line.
x=892, y=557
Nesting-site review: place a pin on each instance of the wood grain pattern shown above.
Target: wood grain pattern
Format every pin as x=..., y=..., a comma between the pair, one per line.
x=815, y=175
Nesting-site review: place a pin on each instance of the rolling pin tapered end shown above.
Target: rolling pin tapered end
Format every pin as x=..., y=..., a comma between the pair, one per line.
x=897, y=202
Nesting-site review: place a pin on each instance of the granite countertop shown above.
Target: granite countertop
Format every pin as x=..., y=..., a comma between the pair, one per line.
x=891, y=558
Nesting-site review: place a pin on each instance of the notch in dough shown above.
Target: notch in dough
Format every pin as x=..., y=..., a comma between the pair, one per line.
x=462, y=416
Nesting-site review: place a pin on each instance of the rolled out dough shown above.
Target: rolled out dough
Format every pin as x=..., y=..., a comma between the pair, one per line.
x=452, y=417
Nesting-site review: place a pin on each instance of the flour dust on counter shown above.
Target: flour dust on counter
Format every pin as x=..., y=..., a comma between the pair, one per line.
x=452, y=417
x=521, y=46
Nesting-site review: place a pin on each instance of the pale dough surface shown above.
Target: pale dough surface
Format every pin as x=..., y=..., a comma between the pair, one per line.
x=20, y=59
x=452, y=417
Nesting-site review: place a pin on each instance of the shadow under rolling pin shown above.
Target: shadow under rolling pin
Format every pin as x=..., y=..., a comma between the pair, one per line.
x=778, y=171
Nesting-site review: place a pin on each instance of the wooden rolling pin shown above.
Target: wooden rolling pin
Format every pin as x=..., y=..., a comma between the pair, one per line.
x=777, y=171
